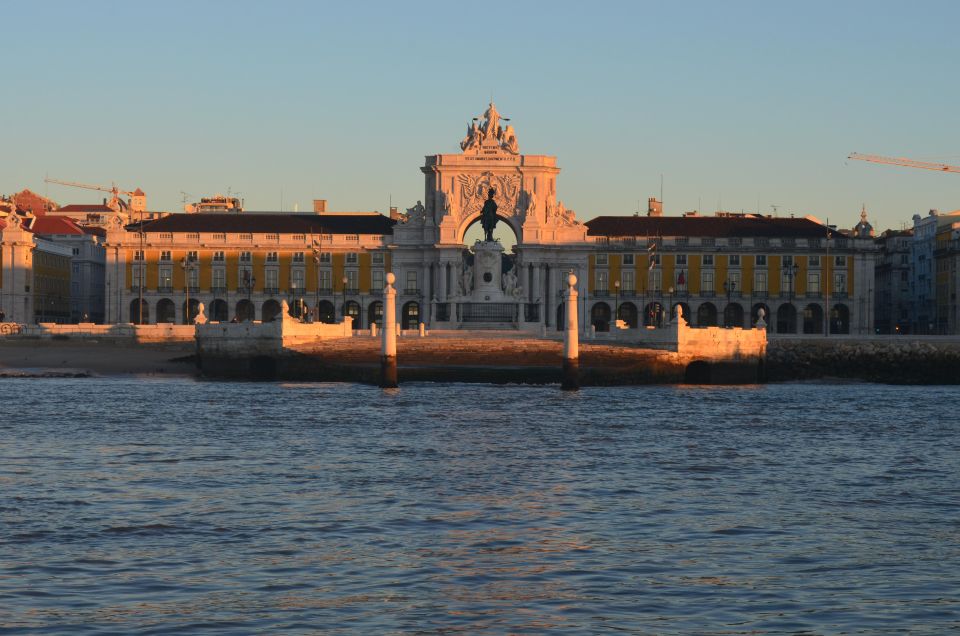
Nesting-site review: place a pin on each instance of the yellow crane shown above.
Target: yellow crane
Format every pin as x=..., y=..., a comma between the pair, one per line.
x=115, y=203
x=903, y=161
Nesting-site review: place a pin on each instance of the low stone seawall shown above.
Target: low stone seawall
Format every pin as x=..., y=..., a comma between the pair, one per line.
x=892, y=359
x=147, y=334
x=474, y=359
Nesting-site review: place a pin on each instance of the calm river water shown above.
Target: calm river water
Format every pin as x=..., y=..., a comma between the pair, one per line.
x=178, y=506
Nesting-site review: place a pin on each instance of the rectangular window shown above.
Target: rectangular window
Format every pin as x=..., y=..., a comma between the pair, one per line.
x=296, y=278
x=272, y=258
x=411, y=281
x=627, y=281
x=245, y=257
x=840, y=261
x=324, y=257
x=325, y=279
x=218, y=257
x=628, y=259
x=271, y=282
x=839, y=282
x=706, y=281
x=788, y=260
x=298, y=257
x=681, y=259
x=377, y=278
x=760, y=282
x=138, y=255
x=166, y=278
x=351, y=258
x=193, y=277
x=76, y=251
x=219, y=278
x=734, y=260
x=655, y=280
x=352, y=276
x=733, y=282
x=192, y=256
x=377, y=258
x=602, y=279
x=165, y=255
x=761, y=260
x=813, y=260
x=601, y=259
x=708, y=260
x=813, y=283
x=904, y=259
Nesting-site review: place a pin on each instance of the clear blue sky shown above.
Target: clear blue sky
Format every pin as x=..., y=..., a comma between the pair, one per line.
x=735, y=103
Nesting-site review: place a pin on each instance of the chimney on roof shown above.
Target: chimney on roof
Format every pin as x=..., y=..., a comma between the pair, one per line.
x=654, y=207
x=394, y=213
x=319, y=205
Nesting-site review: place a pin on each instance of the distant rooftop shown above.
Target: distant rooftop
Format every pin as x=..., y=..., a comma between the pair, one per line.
x=274, y=223
x=719, y=226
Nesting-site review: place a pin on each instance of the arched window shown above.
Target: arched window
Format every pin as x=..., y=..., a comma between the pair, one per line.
x=270, y=310
x=410, y=316
x=166, y=311
x=139, y=312
x=352, y=309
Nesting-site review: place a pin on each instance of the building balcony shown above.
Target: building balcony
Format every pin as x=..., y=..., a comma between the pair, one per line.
x=325, y=291
x=218, y=291
x=164, y=289
x=411, y=291
x=707, y=293
x=297, y=291
x=193, y=289
x=840, y=295
x=601, y=293
x=761, y=294
x=352, y=291
x=628, y=293
x=271, y=291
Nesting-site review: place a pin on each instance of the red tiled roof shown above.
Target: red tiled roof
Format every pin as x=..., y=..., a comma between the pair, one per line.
x=83, y=207
x=55, y=225
x=737, y=226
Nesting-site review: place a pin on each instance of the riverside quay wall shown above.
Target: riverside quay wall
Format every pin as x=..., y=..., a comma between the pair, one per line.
x=289, y=350
x=889, y=359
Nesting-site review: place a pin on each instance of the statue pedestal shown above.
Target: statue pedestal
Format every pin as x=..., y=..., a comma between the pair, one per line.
x=487, y=270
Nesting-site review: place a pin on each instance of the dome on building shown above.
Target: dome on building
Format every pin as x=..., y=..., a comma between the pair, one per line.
x=863, y=229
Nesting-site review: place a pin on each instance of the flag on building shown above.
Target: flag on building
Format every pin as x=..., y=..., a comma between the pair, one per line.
x=681, y=280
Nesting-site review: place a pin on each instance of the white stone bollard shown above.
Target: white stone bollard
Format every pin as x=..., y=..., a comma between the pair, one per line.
x=373, y=329
x=571, y=343
x=423, y=330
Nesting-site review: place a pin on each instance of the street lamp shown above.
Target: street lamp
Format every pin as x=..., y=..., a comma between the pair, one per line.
x=791, y=273
x=729, y=286
x=249, y=281
x=187, y=266
x=616, y=304
x=316, y=304
x=670, y=311
x=344, y=306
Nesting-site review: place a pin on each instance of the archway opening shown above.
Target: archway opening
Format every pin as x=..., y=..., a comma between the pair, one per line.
x=375, y=313
x=706, y=315
x=840, y=319
x=325, y=312
x=813, y=319
x=139, y=312
x=219, y=310
x=410, y=315
x=600, y=316
x=166, y=311
x=787, y=319
x=504, y=233
x=245, y=311
x=733, y=315
x=270, y=310
x=653, y=315
x=352, y=309
x=627, y=312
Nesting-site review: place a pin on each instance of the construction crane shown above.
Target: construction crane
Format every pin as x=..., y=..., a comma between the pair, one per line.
x=115, y=203
x=901, y=161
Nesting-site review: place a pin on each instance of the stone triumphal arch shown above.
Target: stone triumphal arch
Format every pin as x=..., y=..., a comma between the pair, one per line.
x=457, y=282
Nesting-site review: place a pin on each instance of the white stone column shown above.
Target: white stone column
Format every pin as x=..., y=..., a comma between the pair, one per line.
x=571, y=339
x=388, y=359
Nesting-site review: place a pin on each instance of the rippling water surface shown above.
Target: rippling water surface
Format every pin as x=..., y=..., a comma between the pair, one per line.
x=175, y=506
